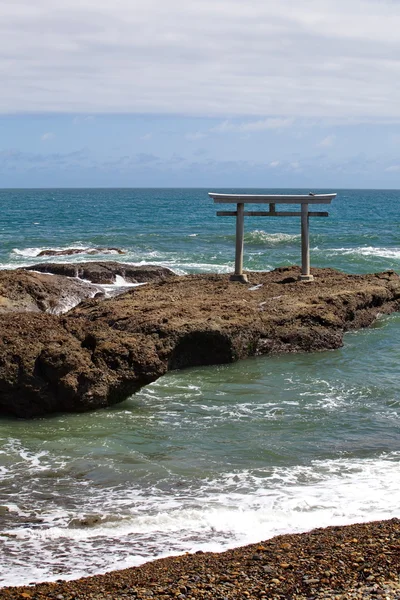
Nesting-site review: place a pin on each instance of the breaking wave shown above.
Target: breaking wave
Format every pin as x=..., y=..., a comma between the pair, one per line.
x=262, y=238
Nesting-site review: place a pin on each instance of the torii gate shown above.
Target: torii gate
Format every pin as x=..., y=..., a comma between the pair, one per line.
x=241, y=199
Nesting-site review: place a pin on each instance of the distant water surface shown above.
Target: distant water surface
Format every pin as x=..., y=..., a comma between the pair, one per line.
x=213, y=457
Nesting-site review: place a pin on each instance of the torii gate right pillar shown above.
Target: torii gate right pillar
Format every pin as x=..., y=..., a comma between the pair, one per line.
x=238, y=275
x=305, y=245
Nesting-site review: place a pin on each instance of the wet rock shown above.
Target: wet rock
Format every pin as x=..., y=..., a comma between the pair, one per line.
x=87, y=521
x=22, y=291
x=72, y=251
x=105, y=272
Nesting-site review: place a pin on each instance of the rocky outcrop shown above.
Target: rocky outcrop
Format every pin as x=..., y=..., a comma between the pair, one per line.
x=22, y=291
x=72, y=251
x=100, y=352
x=105, y=272
x=44, y=368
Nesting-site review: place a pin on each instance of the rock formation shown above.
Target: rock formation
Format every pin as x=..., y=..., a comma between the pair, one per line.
x=104, y=272
x=72, y=251
x=22, y=291
x=101, y=352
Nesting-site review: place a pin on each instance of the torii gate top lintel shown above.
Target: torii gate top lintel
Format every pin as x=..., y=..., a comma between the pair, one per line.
x=272, y=199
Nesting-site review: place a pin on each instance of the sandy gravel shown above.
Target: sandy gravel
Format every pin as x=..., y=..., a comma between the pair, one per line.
x=356, y=561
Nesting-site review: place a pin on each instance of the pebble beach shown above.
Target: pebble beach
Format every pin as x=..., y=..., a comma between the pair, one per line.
x=355, y=561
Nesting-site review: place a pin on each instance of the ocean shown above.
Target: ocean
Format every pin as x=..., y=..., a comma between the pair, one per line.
x=214, y=457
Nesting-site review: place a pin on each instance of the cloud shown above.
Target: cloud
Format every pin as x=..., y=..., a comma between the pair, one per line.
x=334, y=59
x=193, y=137
x=46, y=137
x=393, y=169
x=144, y=158
x=78, y=120
x=146, y=137
x=24, y=161
x=274, y=164
x=328, y=141
x=249, y=126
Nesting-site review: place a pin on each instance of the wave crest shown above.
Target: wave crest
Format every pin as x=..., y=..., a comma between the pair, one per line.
x=262, y=238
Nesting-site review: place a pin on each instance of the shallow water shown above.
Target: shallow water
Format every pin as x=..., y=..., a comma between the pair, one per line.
x=213, y=457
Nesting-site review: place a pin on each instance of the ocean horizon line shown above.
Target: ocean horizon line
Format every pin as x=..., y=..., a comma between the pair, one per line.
x=39, y=188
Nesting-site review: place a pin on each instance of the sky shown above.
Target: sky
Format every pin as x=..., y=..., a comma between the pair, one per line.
x=200, y=93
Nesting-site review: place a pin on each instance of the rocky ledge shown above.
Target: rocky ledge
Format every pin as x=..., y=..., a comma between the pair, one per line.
x=105, y=272
x=103, y=351
x=336, y=563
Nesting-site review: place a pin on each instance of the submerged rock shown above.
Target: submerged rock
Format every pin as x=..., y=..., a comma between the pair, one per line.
x=101, y=352
x=72, y=251
x=105, y=272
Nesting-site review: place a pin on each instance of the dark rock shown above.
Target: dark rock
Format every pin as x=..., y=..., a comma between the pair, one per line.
x=87, y=521
x=72, y=251
x=105, y=272
x=101, y=352
x=44, y=368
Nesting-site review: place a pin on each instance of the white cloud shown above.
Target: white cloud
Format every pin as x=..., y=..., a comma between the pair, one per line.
x=393, y=169
x=46, y=137
x=146, y=137
x=336, y=59
x=250, y=126
x=78, y=120
x=198, y=135
x=274, y=164
x=328, y=141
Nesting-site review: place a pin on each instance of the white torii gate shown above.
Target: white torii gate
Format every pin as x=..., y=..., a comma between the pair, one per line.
x=272, y=199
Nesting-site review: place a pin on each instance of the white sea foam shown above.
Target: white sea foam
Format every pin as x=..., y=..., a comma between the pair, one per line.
x=69, y=302
x=83, y=248
x=180, y=267
x=230, y=510
x=258, y=236
x=34, y=252
x=120, y=285
x=366, y=251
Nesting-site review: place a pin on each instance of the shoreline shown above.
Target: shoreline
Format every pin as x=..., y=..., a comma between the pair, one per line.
x=350, y=561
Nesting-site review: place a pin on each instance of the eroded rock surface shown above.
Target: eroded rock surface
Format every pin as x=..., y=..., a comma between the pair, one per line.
x=22, y=291
x=105, y=272
x=100, y=352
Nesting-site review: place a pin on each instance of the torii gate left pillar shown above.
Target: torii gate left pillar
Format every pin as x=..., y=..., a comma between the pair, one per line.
x=272, y=200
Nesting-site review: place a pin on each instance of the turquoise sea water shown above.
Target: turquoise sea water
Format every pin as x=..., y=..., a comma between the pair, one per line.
x=213, y=457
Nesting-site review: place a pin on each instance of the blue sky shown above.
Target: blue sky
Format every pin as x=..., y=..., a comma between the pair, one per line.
x=214, y=94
